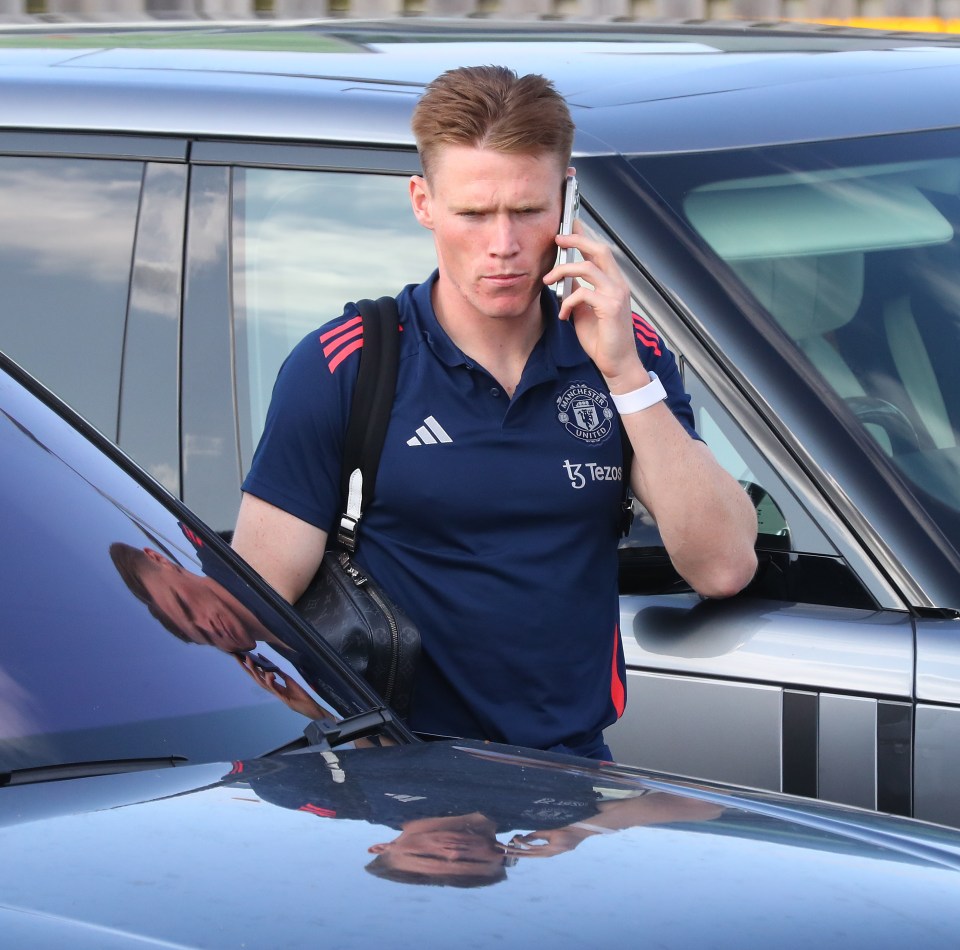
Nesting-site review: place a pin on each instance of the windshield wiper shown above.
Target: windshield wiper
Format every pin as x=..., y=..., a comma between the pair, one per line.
x=329, y=735
x=345, y=730
x=56, y=773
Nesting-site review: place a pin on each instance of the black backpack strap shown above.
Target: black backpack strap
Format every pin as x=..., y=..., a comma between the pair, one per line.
x=626, y=504
x=369, y=412
x=626, y=501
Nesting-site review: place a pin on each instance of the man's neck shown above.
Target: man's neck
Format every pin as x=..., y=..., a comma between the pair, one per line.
x=501, y=345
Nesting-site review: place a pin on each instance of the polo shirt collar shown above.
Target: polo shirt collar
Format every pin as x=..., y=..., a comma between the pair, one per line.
x=557, y=347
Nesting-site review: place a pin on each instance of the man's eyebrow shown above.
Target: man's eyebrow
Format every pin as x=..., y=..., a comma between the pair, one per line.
x=446, y=861
x=482, y=204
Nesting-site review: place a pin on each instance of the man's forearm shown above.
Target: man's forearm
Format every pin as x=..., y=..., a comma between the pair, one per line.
x=706, y=519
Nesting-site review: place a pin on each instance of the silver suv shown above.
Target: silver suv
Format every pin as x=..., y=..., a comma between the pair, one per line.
x=178, y=208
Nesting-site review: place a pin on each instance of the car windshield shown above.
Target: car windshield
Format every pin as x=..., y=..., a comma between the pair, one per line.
x=852, y=249
x=128, y=634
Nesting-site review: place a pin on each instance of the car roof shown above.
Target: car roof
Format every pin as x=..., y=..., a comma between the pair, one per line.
x=633, y=89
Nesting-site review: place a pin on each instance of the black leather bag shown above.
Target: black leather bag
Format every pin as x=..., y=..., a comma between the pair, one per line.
x=374, y=636
x=343, y=603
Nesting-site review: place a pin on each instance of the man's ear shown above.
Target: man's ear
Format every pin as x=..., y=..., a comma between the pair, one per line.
x=155, y=556
x=377, y=848
x=420, y=201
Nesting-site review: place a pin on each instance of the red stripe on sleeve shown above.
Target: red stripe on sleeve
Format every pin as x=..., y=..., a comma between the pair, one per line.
x=340, y=340
x=344, y=353
x=639, y=322
x=646, y=334
x=336, y=331
x=650, y=344
x=318, y=811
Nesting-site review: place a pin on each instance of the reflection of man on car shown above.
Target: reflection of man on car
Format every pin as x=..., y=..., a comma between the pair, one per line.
x=450, y=802
x=196, y=608
x=191, y=606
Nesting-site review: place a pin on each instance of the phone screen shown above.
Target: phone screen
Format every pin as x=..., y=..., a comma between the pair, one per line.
x=571, y=206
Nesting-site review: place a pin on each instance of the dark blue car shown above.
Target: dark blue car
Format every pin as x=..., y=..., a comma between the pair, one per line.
x=184, y=764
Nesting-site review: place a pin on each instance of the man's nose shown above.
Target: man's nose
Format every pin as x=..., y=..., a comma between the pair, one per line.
x=504, y=242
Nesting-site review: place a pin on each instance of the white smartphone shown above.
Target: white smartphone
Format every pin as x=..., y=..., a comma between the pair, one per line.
x=571, y=207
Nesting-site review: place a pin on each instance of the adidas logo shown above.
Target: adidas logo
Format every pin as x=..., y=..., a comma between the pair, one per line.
x=430, y=433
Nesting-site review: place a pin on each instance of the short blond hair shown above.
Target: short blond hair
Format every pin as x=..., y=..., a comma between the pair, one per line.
x=492, y=107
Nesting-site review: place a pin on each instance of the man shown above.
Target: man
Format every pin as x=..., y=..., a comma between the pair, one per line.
x=497, y=512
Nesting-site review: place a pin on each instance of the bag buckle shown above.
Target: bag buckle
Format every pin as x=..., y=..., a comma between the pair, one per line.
x=347, y=533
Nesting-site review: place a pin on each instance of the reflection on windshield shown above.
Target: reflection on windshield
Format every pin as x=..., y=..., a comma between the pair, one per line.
x=89, y=672
x=196, y=608
x=853, y=249
x=463, y=815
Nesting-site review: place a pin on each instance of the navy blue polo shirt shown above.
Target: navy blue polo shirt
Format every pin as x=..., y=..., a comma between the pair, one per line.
x=495, y=522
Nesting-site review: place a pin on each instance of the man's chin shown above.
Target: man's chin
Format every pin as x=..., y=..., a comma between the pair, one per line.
x=509, y=306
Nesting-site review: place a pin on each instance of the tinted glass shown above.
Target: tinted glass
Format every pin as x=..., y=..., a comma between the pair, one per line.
x=125, y=633
x=66, y=246
x=304, y=244
x=797, y=562
x=852, y=249
x=149, y=400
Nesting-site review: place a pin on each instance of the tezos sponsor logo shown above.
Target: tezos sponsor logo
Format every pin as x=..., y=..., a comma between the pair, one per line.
x=580, y=473
x=585, y=413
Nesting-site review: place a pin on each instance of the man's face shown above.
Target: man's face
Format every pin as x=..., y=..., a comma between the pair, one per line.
x=494, y=218
x=447, y=847
x=200, y=607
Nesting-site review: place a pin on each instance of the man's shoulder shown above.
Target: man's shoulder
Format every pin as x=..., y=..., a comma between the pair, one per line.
x=336, y=341
x=338, y=344
x=330, y=345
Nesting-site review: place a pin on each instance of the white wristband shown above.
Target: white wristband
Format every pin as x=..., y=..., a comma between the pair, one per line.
x=640, y=399
x=596, y=829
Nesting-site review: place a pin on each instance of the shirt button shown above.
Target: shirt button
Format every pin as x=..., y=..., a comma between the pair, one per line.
x=494, y=392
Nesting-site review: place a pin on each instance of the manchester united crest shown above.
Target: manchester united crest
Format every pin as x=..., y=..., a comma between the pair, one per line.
x=585, y=413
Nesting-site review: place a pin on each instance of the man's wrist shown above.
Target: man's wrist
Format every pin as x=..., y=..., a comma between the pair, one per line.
x=641, y=398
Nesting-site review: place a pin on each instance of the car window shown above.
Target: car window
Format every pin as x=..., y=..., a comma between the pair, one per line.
x=852, y=249
x=127, y=633
x=798, y=563
x=305, y=243
x=738, y=456
x=67, y=228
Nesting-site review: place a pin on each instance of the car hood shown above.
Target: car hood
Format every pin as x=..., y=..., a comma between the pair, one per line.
x=275, y=853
